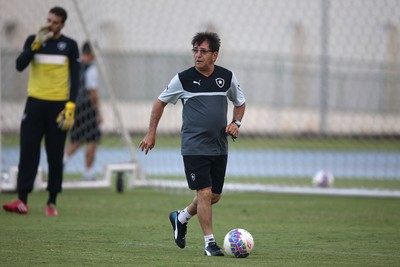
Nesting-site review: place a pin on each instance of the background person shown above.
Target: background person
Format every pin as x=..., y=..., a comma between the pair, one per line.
x=88, y=117
x=49, y=109
x=203, y=90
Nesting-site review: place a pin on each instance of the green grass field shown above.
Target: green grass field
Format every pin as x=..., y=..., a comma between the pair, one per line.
x=105, y=228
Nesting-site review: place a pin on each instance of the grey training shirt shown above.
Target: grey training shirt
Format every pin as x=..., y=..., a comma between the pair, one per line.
x=205, y=106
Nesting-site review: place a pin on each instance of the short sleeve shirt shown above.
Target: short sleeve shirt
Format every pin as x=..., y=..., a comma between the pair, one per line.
x=91, y=78
x=205, y=106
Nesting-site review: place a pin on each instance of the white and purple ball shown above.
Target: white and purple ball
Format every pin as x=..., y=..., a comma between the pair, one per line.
x=238, y=243
x=323, y=179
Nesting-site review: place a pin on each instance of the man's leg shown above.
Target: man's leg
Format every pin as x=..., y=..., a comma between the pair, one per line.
x=30, y=138
x=55, y=144
x=32, y=130
x=204, y=210
x=89, y=160
x=70, y=150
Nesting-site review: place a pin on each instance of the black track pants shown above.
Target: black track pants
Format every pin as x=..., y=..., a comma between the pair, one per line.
x=38, y=121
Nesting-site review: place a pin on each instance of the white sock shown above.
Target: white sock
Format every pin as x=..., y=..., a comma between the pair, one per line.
x=184, y=216
x=208, y=239
x=88, y=174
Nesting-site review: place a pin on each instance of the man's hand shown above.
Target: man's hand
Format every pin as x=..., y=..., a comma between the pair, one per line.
x=42, y=36
x=233, y=130
x=65, y=118
x=147, y=143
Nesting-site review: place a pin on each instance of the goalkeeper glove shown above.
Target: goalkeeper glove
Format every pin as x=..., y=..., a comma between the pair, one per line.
x=42, y=36
x=65, y=118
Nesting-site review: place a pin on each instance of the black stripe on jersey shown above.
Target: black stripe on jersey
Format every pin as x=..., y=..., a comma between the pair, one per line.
x=194, y=82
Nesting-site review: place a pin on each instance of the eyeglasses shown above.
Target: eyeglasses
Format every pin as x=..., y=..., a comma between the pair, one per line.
x=202, y=51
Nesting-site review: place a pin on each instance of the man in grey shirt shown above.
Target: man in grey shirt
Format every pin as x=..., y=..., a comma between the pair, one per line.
x=204, y=90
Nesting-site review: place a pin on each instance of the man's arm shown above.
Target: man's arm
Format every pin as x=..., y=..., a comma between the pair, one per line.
x=66, y=117
x=33, y=43
x=26, y=55
x=149, y=140
x=74, y=69
x=233, y=127
x=238, y=112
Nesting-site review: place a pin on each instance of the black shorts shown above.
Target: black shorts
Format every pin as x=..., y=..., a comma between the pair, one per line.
x=205, y=171
x=86, y=129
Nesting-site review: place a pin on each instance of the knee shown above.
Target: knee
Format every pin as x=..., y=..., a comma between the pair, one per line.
x=207, y=195
x=215, y=198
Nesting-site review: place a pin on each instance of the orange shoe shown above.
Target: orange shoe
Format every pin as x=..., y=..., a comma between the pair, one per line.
x=16, y=206
x=51, y=210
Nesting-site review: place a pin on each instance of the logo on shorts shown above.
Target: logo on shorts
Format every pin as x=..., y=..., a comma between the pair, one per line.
x=193, y=176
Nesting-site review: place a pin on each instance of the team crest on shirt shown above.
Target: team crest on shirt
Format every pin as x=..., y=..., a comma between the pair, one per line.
x=61, y=45
x=220, y=82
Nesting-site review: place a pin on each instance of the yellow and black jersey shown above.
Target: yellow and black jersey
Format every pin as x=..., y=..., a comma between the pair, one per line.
x=54, y=69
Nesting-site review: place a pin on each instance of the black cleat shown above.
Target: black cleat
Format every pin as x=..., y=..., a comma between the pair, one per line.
x=179, y=229
x=213, y=250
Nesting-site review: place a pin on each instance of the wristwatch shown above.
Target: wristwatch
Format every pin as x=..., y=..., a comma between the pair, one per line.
x=237, y=122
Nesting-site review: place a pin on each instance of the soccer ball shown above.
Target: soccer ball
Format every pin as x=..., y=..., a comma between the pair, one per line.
x=323, y=179
x=238, y=243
